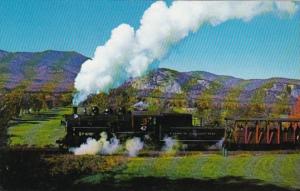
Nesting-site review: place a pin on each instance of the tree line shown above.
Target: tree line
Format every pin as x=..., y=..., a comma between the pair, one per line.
x=211, y=110
x=17, y=102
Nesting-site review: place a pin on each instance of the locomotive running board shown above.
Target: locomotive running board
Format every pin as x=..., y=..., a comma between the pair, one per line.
x=126, y=132
x=90, y=127
x=195, y=140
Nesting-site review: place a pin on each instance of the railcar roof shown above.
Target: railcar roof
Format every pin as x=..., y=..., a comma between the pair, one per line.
x=264, y=119
x=147, y=113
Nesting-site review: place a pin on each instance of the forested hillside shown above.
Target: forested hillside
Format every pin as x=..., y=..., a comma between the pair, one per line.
x=41, y=71
x=30, y=82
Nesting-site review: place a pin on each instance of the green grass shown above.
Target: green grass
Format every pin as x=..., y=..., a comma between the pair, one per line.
x=38, y=130
x=279, y=169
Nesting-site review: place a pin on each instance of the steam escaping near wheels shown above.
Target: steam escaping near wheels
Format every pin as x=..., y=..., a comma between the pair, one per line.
x=91, y=147
x=218, y=145
x=105, y=146
x=133, y=146
x=171, y=146
x=102, y=146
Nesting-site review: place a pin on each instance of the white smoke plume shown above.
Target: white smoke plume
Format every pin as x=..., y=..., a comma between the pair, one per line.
x=218, y=145
x=130, y=53
x=171, y=145
x=91, y=147
x=133, y=146
x=109, y=147
x=102, y=146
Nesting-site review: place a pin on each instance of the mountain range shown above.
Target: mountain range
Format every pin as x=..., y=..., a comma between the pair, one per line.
x=55, y=71
x=48, y=70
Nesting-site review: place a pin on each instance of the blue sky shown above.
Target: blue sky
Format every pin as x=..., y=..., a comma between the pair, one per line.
x=266, y=46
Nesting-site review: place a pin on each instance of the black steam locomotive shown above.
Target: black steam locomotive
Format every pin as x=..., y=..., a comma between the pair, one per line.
x=152, y=127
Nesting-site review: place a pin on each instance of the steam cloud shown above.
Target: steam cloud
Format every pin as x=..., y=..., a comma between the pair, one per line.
x=91, y=147
x=171, y=145
x=133, y=146
x=107, y=147
x=218, y=145
x=130, y=53
x=102, y=146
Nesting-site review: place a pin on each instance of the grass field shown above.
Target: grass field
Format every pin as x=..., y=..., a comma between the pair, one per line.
x=38, y=130
x=247, y=171
x=266, y=171
x=276, y=169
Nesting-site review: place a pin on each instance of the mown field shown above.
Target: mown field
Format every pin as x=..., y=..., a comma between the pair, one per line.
x=41, y=170
x=278, y=169
x=37, y=130
x=30, y=169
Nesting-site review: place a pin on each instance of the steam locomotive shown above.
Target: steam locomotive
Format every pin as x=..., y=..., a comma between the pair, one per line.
x=238, y=133
x=151, y=127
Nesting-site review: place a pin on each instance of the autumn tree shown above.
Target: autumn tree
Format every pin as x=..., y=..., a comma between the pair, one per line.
x=100, y=100
x=38, y=102
x=10, y=107
x=206, y=104
x=232, y=106
x=205, y=107
x=13, y=102
x=296, y=109
x=258, y=106
x=281, y=107
x=66, y=99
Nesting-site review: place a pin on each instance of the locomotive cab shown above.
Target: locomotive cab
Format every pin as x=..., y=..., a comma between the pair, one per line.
x=180, y=126
x=138, y=123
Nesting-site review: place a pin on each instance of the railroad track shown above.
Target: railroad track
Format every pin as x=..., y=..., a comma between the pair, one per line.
x=151, y=153
x=32, y=150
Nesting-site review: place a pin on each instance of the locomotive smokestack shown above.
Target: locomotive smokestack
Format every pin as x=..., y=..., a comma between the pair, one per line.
x=74, y=110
